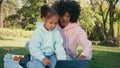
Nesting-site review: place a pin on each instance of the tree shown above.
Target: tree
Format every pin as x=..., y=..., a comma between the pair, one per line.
x=26, y=17
x=8, y=8
x=109, y=35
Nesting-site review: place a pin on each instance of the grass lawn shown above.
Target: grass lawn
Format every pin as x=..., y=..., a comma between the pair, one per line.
x=103, y=57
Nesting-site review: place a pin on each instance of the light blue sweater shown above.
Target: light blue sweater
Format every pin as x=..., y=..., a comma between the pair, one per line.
x=46, y=43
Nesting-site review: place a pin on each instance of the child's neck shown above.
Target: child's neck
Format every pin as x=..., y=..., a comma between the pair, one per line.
x=46, y=28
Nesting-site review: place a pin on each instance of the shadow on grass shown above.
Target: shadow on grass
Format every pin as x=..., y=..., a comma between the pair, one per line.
x=104, y=59
x=1, y=38
x=17, y=51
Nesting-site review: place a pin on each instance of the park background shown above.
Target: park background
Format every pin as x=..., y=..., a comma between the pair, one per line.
x=99, y=18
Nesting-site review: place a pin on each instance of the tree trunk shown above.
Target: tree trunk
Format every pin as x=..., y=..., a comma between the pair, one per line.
x=1, y=14
x=111, y=30
x=99, y=32
x=104, y=18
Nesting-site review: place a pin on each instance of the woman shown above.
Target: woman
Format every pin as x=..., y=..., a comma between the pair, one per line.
x=71, y=32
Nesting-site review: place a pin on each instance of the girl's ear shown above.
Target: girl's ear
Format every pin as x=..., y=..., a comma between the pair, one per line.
x=43, y=19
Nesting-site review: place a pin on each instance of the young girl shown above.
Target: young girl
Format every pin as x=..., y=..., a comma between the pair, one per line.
x=72, y=33
x=45, y=45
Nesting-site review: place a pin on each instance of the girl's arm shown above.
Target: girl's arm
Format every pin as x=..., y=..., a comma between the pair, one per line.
x=59, y=50
x=34, y=45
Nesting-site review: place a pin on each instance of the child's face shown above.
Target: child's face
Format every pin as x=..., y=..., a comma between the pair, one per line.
x=65, y=19
x=50, y=23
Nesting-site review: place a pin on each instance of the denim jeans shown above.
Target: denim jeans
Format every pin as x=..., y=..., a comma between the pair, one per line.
x=35, y=63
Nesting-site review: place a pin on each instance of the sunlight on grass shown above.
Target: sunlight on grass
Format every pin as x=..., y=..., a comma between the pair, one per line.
x=13, y=42
x=106, y=48
x=102, y=48
x=6, y=32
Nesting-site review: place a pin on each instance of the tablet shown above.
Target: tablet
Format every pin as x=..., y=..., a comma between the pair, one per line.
x=71, y=64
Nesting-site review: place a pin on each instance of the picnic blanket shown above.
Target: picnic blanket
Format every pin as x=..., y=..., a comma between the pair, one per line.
x=10, y=63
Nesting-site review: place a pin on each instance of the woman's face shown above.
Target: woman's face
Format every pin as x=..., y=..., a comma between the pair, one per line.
x=65, y=19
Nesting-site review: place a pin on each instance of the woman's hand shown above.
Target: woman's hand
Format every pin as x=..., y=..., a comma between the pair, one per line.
x=82, y=57
x=46, y=61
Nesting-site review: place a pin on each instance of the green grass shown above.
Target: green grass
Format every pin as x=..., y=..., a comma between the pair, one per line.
x=103, y=57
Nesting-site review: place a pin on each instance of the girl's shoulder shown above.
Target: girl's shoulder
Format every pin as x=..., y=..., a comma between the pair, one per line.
x=39, y=24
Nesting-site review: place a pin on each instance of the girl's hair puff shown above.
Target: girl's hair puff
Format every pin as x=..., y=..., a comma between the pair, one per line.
x=46, y=11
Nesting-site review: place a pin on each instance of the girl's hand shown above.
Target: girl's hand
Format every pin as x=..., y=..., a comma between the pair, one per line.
x=82, y=57
x=46, y=61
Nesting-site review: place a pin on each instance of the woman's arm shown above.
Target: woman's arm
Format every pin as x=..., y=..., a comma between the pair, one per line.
x=86, y=45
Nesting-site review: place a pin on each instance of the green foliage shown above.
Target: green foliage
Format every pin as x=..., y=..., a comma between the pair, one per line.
x=13, y=2
x=117, y=15
x=5, y=32
x=26, y=16
x=93, y=35
x=87, y=16
x=30, y=27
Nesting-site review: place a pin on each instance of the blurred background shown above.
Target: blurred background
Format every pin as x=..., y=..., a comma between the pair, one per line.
x=99, y=18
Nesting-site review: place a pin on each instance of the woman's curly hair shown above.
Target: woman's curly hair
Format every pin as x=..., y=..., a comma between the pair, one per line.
x=72, y=7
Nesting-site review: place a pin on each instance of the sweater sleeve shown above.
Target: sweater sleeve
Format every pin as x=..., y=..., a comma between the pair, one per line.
x=86, y=44
x=35, y=44
x=59, y=50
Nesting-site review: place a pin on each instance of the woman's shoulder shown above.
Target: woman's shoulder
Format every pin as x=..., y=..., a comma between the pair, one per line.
x=76, y=27
x=78, y=30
